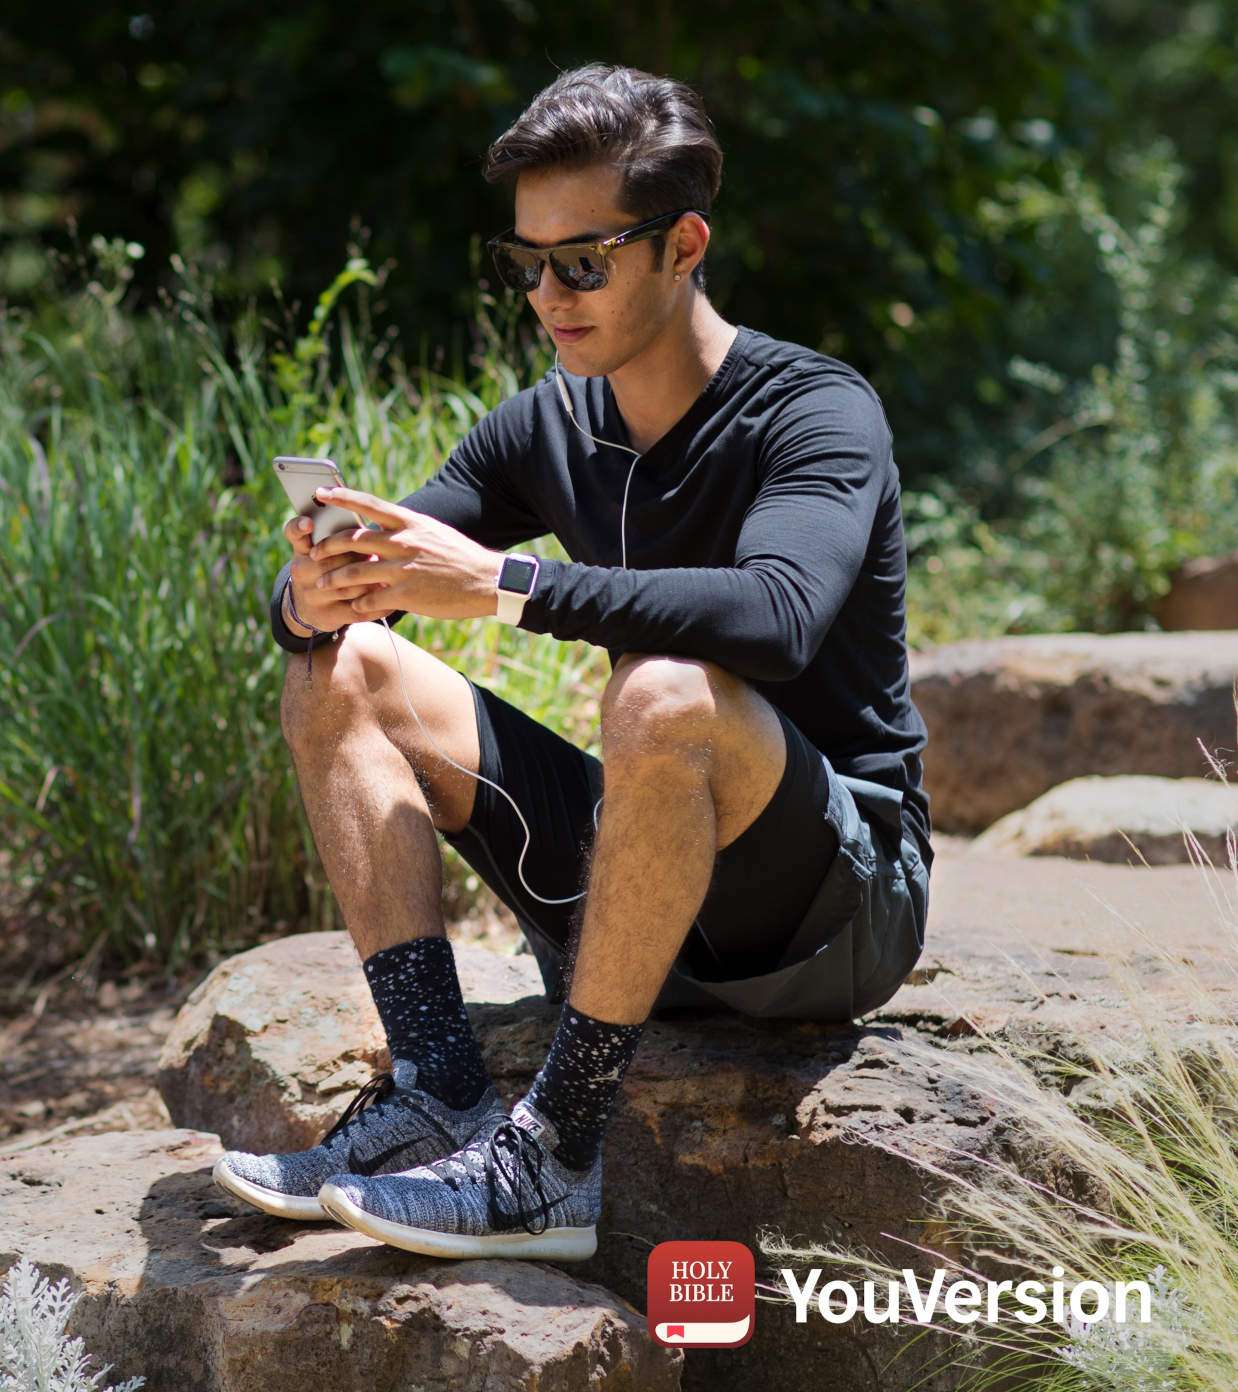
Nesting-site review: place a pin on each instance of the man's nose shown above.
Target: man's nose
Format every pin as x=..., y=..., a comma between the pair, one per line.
x=551, y=292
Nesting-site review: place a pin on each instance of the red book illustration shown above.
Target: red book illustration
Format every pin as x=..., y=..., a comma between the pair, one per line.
x=701, y=1293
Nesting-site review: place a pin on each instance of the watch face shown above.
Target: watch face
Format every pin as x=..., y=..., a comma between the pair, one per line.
x=517, y=576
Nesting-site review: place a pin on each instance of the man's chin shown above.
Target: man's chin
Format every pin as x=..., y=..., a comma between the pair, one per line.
x=581, y=364
x=588, y=358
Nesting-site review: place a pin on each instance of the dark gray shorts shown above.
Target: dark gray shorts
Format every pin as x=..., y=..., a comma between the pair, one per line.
x=815, y=911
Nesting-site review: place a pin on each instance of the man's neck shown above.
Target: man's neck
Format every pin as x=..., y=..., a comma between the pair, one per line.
x=655, y=390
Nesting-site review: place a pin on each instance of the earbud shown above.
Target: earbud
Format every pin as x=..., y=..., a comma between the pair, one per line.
x=562, y=385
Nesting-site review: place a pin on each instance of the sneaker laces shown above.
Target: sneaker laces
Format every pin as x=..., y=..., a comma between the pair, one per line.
x=377, y=1090
x=509, y=1153
x=527, y=1158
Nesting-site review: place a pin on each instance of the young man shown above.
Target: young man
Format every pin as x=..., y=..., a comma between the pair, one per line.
x=731, y=505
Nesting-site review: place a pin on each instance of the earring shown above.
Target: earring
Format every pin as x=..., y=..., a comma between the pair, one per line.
x=677, y=276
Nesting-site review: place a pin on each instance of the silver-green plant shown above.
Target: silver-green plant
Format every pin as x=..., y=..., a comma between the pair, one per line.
x=1133, y=1357
x=35, y=1354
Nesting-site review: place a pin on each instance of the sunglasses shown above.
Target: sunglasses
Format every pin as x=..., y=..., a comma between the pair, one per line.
x=578, y=265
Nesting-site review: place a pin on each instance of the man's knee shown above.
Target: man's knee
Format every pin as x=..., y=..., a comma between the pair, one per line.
x=344, y=673
x=652, y=699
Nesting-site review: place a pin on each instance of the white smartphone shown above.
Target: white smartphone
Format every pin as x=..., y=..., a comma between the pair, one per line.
x=300, y=477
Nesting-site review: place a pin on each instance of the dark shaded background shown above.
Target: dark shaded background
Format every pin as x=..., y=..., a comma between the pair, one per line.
x=888, y=192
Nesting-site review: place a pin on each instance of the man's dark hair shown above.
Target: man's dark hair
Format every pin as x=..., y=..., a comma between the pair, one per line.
x=654, y=129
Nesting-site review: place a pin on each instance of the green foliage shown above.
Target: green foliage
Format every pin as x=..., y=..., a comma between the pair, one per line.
x=892, y=190
x=863, y=145
x=146, y=793
x=294, y=372
x=1172, y=70
x=1124, y=473
x=964, y=577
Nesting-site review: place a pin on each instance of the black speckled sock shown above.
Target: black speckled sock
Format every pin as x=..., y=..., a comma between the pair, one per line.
x=417, y=992
x=580, y=1079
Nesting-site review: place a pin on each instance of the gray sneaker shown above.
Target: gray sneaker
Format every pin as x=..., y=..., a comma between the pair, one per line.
x=502, y=1194
x=391, y=1124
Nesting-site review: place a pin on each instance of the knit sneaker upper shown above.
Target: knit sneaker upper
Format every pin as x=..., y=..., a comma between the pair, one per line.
x=506, y=1179
x=390, y=1125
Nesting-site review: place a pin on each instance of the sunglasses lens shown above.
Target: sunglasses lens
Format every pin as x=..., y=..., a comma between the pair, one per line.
x=579, y=267
x=518, y=270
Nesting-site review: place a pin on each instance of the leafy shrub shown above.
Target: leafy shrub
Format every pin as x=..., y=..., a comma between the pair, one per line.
x=1128, y=472
x=35, y=1355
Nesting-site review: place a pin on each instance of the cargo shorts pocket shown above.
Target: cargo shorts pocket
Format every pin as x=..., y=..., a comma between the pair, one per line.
x=841, y=900
x=815, y=976
x=890, y=935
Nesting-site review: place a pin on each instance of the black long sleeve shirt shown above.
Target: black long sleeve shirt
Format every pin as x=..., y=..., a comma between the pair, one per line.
x=763, y=532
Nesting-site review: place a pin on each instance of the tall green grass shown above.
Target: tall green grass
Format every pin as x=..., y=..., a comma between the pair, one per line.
x=148, y=805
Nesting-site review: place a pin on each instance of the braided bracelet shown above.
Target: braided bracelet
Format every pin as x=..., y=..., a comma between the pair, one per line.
x=314, y=632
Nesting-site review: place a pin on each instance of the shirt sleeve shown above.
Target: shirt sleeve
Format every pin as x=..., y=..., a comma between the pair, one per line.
x=471, y=492
x=822, y=467
x=474, y=490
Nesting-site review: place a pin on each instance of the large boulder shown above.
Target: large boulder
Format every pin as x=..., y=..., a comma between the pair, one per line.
x=269, y=1047
x=727, y=1126
x=1202, y=594
x=1130, y=819
x=1038, y=945
x=1010, y=718
x=197, y=1292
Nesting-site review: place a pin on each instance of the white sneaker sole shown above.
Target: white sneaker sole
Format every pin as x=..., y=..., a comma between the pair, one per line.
x=268, y=1200
x=557, y=1244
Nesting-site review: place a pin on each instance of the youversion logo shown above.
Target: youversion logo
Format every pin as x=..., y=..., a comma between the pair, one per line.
x=701, y=1294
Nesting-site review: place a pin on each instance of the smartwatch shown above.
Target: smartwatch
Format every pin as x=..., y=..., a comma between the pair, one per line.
x=516, y=578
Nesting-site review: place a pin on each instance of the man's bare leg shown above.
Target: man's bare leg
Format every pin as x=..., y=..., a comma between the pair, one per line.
x=365, y=766
x=354, y=753
x=692, y=755
x=355, y=746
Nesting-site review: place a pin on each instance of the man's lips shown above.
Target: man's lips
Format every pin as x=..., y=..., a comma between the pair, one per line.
x=567, y=335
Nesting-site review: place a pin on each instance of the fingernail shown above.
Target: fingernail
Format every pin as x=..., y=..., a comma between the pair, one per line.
x=304, y=524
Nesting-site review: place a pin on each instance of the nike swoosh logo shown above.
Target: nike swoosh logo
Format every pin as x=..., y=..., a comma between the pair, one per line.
x=368, y=1167
x=505, y=1222
x=611, y=1077
x=443, y=1138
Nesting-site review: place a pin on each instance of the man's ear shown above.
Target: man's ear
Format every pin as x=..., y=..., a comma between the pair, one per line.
x=691, y=241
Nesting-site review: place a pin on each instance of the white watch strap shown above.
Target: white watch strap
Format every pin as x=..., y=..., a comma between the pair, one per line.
x=510, y=606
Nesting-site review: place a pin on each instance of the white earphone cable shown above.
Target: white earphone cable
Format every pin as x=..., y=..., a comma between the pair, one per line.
x=563, y=393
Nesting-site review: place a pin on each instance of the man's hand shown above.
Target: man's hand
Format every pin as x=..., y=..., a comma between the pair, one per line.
x=327, y=609
x=417, y=562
